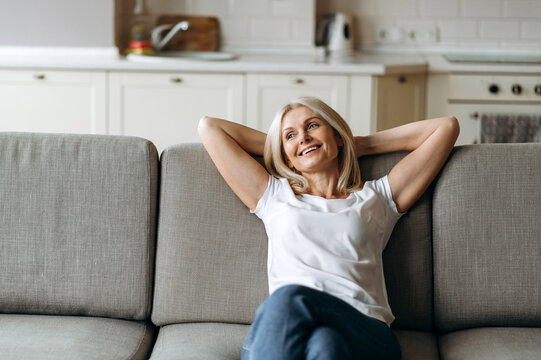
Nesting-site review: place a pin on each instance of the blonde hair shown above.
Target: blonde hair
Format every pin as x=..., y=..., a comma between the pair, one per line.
x=349, y=174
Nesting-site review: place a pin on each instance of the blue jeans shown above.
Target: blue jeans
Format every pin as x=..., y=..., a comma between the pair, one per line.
x=297, y=322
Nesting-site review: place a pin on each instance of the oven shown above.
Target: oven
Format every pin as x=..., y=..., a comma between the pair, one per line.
x=469, y=96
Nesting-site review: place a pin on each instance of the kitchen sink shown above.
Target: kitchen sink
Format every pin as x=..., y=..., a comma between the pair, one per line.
x=183, y=55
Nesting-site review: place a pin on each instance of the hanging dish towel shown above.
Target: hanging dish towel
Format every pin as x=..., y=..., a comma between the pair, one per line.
x=510, y=128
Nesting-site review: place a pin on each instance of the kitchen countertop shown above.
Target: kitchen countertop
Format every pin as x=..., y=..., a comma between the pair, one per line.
x=272, y=62
x=370, y=64
x=437, y=63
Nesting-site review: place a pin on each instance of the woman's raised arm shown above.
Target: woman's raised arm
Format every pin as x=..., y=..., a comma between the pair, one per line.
x=430, y=142
x=230, y=146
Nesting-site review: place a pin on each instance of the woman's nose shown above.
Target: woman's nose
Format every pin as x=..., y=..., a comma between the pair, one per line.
x=304, y=137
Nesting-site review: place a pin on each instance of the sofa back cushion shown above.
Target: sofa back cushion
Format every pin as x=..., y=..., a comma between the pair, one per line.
x=77, y=224
x=487, y=232
x=212, y=253
x=407, y=259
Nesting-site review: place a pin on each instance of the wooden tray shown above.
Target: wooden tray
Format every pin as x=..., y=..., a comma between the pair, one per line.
x=202, y=35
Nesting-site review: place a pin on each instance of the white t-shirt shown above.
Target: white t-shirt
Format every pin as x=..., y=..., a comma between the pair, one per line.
x=332, y=245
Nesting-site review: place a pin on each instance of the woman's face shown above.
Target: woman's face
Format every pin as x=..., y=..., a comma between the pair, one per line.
x=309, y=143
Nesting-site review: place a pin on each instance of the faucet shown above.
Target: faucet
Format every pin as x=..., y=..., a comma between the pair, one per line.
x=159, y=42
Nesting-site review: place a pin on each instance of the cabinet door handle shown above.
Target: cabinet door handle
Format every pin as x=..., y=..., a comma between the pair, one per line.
x=176, y=80
x=298, y=81
x=39, y=76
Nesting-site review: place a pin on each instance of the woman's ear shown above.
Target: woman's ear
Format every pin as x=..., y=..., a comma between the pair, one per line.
x=338, y=138
x=289, y=163
x=340, y=143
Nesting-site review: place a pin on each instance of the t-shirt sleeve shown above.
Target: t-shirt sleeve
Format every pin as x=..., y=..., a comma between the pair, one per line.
x=382, y=187
x=262, y=205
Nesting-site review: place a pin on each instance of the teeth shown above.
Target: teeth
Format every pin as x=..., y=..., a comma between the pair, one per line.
x=308, y=150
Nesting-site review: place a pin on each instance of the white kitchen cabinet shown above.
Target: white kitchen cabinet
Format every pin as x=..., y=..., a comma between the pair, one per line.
x=266, y=94
x=166, y=107
x=361, y=105
x=368, y=103
x=382, y=102
x=53, y=101
x=437, y=93
x=400, y=99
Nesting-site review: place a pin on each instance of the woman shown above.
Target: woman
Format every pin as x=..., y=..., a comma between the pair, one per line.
x=326, y=229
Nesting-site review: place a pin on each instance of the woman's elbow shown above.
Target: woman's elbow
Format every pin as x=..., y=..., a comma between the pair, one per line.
x=204, y=121
x=453, y=126
x=204, y=124
x=453, y=122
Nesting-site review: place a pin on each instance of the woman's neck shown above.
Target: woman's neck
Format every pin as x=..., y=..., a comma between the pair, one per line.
x=324, y=185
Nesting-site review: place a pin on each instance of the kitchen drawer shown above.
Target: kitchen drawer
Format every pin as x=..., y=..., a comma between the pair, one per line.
x=166, y=107
x=53, y=101
x=46, y=76
x=266, y=94
x=174, y=79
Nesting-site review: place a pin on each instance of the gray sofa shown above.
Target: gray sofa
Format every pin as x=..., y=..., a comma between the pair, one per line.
x=101, y=258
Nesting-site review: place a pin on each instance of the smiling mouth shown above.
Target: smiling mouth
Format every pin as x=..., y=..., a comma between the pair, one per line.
x=309, y=150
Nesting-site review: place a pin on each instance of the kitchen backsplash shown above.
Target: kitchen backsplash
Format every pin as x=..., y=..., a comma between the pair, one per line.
x=377, y=23
x=243, y=23
x=443, y=23
x=285, y=23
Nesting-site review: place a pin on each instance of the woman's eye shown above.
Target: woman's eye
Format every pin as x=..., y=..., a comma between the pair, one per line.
x=289, y=136
x=312, y=125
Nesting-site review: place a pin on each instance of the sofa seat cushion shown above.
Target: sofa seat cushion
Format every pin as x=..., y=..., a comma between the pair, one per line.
x=492, y=344
x=200, y=341
x=224, y=341
x=417, y=345
x=73, y=337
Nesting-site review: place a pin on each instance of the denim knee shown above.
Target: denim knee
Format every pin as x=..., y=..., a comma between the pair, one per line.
x=290, y=291
x=246, y=346
x=283, y=298
x=327, y=343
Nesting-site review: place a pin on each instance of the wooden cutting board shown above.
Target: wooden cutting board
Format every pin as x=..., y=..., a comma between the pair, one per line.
x=202, y=35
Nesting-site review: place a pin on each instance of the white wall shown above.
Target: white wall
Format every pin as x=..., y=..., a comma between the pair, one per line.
x=262, y=23
x=279, y=23
x=67, y=23
x=460, y=23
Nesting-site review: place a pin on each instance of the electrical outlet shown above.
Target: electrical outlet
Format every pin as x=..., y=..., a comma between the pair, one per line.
x=420, y=35
x=389, y=35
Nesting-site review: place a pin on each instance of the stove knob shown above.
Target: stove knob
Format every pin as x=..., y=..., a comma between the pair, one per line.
x=516, y=89
x=537, y=89
x=493, y=88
